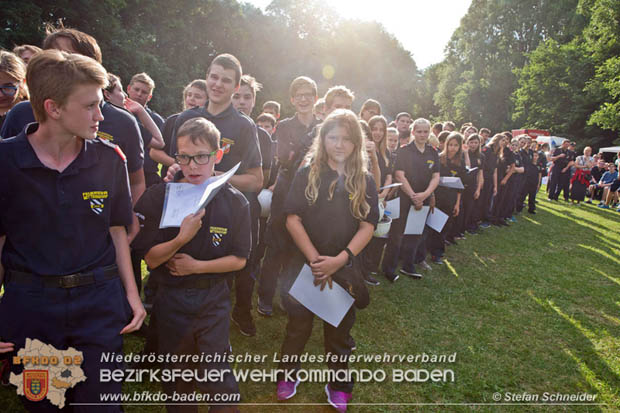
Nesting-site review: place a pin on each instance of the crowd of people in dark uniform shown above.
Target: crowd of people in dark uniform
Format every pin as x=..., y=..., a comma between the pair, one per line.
x=310, y=189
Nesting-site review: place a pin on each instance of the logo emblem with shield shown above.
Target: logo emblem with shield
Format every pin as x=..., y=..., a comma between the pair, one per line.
x=35, y=384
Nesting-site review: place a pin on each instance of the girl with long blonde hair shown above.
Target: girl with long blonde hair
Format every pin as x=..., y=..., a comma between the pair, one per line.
x=332, y=211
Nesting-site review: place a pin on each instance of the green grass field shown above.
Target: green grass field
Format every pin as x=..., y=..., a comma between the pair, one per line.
x=529, y=309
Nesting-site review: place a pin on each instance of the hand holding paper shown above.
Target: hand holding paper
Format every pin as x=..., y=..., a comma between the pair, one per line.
x=451, y=182
x=330, y=305
x=185, y=199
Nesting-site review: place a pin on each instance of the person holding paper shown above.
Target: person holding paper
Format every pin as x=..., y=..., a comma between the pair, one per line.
x=372, y=253
x=448, y=199
x=417, y=168
x=332, y=211
x=193, y=262
x=472, y=201
x=505, y=169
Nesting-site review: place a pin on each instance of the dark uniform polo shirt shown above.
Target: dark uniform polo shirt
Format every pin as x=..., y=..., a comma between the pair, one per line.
x=418, y=167
x=527, y=156
x=385, y=168
x=58, y=223
x=293, y=136
x=118, y=126
x=447, y=196
x=121, y=127
x=503, y=163
x=490, y=162
x=150, y=166
x=560, y=163
x=518, y=161
x=329, y=222
x=293, y=139
x=239, y=140
x=16, y=119
x=476, y=160
x=266, y=147
x=225, y=230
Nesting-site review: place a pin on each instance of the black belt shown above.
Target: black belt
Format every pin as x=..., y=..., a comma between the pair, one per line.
x=61, y=281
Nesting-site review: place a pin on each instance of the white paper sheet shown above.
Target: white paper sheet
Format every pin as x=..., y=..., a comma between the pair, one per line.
x=545, y=180
x=416, y=220
x=393, y=207
x=451, y=182
x=330, y=305
x=390, y=186
x=183, y=199
x=437, y=219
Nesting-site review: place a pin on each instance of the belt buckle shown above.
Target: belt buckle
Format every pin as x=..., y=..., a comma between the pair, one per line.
x=70, y=281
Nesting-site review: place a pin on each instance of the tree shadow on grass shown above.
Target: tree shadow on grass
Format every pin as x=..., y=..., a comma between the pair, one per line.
x=579, y=342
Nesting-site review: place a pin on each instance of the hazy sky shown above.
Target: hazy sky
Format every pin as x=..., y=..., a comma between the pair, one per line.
x=422, y=26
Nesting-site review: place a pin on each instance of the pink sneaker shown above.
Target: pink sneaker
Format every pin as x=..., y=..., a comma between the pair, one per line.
x=338, y=399
x=286, y=389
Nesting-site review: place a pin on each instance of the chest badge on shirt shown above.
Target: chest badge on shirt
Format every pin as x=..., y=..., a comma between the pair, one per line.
x=217, y=235
x=430, y=163
x=97, y=200
x=227, y=144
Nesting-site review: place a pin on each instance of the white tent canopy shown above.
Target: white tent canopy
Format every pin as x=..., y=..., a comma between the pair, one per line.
x=612, y=149
x=553, y=141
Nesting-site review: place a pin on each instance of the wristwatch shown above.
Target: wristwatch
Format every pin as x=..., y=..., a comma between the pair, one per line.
x=351, y=257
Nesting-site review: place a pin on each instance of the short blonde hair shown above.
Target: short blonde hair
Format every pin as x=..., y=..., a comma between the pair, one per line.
x=300, y=82
x=54, y=75
x=335, y=91
x=144, y=78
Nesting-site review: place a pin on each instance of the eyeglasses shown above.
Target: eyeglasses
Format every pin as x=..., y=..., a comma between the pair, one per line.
x=200, y=159
x=307, y=96
x=8, y=90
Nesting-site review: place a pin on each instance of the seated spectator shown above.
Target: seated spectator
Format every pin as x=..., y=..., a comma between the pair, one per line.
x=596, y=173
x=610, y=184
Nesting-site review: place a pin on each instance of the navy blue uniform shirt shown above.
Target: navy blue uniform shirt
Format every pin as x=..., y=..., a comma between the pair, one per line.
x=118, y=126
x=121, y=128
x=16, y=119
x=266, y=147
x=58, y=223
x=239, y=140
x=225, y=230
x=329, y=222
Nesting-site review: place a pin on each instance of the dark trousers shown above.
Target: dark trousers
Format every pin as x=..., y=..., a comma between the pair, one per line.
x=436, y=240
x=519, y=186
x=563, y=185
x=397, y=241
x=559, y=182
x=371, y=255
x=486, y=200
x=195, y=321
x=469, y=204
x=531, y=188
x=299, y=329
x=87, y=318
x=244, y=279
x=277, y=255
x=502, y=205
